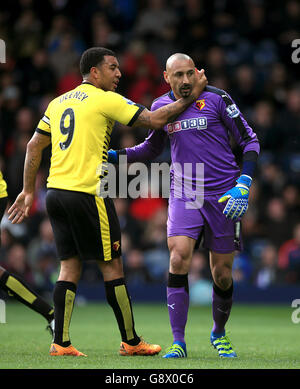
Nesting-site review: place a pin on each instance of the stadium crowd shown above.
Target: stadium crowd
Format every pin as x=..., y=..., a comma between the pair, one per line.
x=245, y=49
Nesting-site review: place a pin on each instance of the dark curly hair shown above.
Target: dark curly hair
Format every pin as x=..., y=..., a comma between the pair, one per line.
x=93, y=57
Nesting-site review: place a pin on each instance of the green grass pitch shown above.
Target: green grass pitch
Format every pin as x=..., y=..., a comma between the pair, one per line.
x=264, y=337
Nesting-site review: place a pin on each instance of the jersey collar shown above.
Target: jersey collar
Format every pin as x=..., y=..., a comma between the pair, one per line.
x=87, y=82
x=171, y=95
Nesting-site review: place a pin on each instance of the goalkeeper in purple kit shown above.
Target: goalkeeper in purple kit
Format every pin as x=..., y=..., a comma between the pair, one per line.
x=201, y=135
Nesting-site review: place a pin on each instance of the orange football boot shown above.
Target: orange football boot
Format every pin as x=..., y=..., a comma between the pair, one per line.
x=57, y=350
x=143, y=348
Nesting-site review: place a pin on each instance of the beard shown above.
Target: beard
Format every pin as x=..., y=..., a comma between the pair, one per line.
x=185, y=90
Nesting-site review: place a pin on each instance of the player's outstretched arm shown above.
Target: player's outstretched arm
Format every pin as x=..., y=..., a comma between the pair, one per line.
x=155, y=120
x=21, y=207
x=148, y=150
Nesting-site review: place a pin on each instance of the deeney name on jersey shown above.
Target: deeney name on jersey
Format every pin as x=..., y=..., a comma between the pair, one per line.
x=79, y=95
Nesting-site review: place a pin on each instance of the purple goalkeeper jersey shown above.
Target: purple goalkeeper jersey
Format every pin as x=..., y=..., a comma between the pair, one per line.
x=201, y=135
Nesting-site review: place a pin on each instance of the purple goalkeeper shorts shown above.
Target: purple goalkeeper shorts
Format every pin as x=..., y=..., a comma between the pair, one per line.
x=220, y=234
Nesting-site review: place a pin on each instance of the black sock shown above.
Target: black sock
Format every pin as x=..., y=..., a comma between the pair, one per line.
x=17, y=288
x=63, y=297
x=178, y=281
x=118, y=298
x=225, y=294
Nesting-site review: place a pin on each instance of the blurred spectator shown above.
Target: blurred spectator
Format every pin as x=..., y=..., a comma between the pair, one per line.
x=215, y=63
x=135, y=269
x=242, y=268
x=60, y=30
x=154, y=242
x=245, y=90
x=144, y=209
x=251, y=227
x=64, y=56
x=155, y=231
x=20, y=136
x=152, y=20
x=127, y=222
x=200, y=283
x=38, y=78
x=16, y=263
x=254, y=23
x=291, y=198
x=272, y=180
x=223, y=32
x=42, y=245
x=27, y=34
x=109, y=12
x=15, y=167
x=264, y=124
x=278, y=227
x=199, y=269
x=267, y=272
x=103, y=34
x=60, y=25
x=157, y=262
x=42, y=256
x=291, y=246
x=10, y=101
x=276, y=83
x=126, y=243
x=141, y=72
x=70, y=80
x=289, y=121
x=193, y=16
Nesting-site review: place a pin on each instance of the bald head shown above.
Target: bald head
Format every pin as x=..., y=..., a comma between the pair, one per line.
x=175, y=59
x=180, y=74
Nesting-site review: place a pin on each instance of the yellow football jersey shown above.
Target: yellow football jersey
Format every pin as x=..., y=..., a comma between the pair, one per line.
x=3, y=186
x=80, y=123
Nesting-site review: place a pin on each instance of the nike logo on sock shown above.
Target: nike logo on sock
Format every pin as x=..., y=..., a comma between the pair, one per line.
x=171, y=305
x=226, y=312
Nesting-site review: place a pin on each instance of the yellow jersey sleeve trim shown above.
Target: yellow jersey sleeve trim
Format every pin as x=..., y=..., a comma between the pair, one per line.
x=40, y=131
x=136, y=115
x=118, y=108
x=44, y=123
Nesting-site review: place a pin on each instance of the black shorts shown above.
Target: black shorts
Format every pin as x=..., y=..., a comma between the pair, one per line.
x=83, y=225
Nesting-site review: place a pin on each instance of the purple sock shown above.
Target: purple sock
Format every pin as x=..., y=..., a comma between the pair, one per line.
x=221, y=307
x=178, y=306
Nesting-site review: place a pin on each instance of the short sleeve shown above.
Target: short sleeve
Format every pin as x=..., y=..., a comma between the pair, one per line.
x=44, y=126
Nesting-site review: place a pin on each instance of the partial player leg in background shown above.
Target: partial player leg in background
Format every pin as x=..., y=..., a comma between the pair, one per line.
x=16, y=287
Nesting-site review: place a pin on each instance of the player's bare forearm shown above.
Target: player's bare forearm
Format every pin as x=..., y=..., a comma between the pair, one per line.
x=155, y=120
x=31, y=167
x=33, y=159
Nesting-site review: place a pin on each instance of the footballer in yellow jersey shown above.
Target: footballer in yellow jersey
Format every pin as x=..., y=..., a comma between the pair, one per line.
x=78, y=126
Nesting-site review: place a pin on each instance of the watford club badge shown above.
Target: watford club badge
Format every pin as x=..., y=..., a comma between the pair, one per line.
x=116, y=245
x=200, y=104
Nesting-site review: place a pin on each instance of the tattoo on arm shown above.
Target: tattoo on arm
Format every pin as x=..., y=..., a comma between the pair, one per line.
x=33, y=159
x=143, y=119
x=163, y=115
